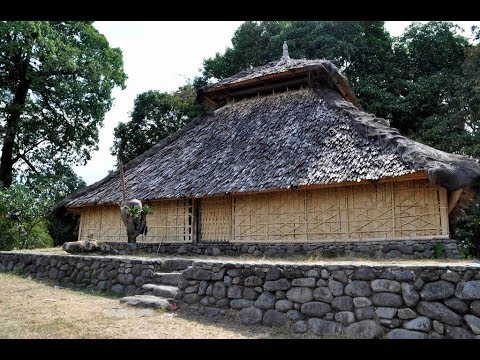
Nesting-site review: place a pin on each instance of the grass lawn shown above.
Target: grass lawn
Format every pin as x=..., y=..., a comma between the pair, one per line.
x=31, y=310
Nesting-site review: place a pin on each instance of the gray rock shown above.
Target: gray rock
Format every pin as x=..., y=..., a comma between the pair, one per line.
x=469, y=290
x=295, y=315
x=345, y=317
x=283, y=305
x=365, y=313
x=405, y=276
x=340, y=275
x=451, y=276
x=384, y=285
x=322, y=282
x=330, y=316
x=315, y=309
x=117, y=289
x=438, y=326
x=222, y=303
x=300, y=295
x=410, y=295
x=103, y=285
x=209, y=290
x=191, y=298
x=235, y=292
x=250, y=294
x=438, y=311
x=437, y=290
x=323, y=294
x=281, y=284
x=306, y=282
x=204, y=301
x=266, y=301
x=325, y=274
x=360, y=302
x=301, y=327
x=140, y=280
x=227, y=280
x=418, y=284
x=182, y=250
x=146, y=301
x=240, y=303
x=358, y=288
x=219, y=290
x=406, y=313
x=233, y=272
x=251, y=316
x=237, y=281
x=216, y=251
x=324, y=327
x=136, y=270
x=387, y=299
x=367, y=329
x=280, y=295
x=458, y=306
x=343, y=303
x=211, y=311
x=53, y=273
x=335, y=287
x=202, y=287
x=473, y=323
x=404, y=249
x=218, y=275
x=405, y=334
x=191, y=289
x=312, y=273
x=274, y=318
x=421, y=323
x=364, y=273
x=253, y=281
x=475, y=307
x=385, y=312
x=197, y=273
x=455, y=332
x=273, y=273
x=391, y=323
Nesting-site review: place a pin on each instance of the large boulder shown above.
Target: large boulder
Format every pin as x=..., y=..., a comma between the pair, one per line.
x=85, y=246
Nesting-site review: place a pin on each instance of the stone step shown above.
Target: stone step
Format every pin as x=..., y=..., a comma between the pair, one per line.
x=173, y=278
x=146, y=301
x=165, y=291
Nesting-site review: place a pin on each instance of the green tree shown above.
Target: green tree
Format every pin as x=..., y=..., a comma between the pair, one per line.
x=56, y=80
x=23, y=218
x=155, y=116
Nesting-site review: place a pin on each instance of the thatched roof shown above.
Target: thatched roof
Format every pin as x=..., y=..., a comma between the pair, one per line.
x=278, y=140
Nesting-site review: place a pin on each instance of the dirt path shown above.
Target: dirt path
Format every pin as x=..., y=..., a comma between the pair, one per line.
x=32, y=310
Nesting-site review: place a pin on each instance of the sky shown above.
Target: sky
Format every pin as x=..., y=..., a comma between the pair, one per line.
x=163, y=55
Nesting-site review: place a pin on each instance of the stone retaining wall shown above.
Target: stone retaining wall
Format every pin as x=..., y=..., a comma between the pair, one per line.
x=100, y=273
x=414, y=249
x=341, y=300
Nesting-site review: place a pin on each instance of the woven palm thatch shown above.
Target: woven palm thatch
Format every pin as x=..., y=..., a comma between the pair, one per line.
x=263, y=135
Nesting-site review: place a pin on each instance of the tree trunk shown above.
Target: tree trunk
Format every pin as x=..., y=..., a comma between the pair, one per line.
x=7, y=160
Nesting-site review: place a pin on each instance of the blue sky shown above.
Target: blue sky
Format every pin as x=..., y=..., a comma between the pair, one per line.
x=162, y=55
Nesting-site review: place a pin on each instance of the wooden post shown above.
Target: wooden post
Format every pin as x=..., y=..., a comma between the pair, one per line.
x=453, y=199
x=120, y=165
x=196, y=220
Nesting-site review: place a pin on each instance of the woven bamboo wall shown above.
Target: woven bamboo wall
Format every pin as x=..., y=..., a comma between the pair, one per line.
x=169, y=222
x=392, y=210
x=406, y=209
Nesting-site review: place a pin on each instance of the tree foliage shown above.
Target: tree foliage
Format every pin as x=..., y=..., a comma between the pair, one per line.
x=155, y=116
x=23, y=218
x=56, y=80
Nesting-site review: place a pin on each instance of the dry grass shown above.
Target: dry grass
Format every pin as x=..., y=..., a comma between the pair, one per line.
x=31, y=310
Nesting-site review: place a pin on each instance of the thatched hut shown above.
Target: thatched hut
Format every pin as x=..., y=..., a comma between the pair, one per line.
x=286, y=159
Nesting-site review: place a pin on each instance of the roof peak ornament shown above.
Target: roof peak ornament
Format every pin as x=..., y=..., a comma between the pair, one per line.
x=285, y=56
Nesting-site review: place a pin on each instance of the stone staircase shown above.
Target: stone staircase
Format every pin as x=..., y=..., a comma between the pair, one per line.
x=160, y=293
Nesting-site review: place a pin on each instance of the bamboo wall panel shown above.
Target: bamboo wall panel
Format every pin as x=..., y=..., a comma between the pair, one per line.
x=169, y=222
x=216, y=218
x=410, y=209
